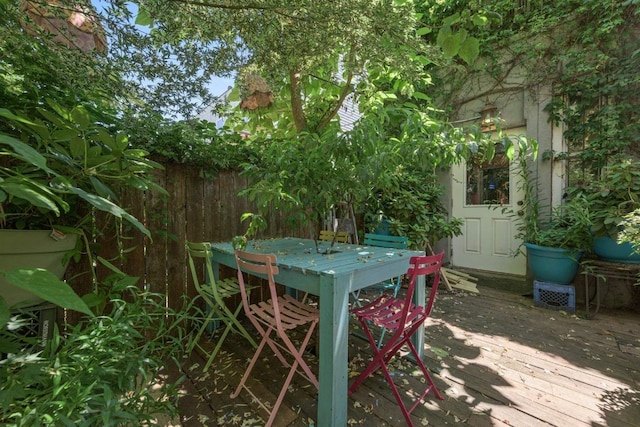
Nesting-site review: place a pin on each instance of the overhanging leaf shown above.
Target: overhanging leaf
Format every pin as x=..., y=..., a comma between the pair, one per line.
x=450, y=44
x=144, y=18
x=26, y=153
x=47, y=286
x=80, y=116
x=469, y=50
x=36, y=195
x=109, y=207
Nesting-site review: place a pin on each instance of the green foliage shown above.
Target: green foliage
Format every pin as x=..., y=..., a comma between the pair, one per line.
x=413, y=204
x=630, y=230
x=53, y=166
x=194, y=142
x=613, y=196
x=393, y=152
x=298, y=176
x=107, y=370
x=600, y=82
x=312, y=56
x=457, y=27
x=257, y=223
x=586, y=50
x=34, y=68
x=568, y=226
x=529, y=213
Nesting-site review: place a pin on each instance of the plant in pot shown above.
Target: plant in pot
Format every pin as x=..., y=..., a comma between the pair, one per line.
x=55, y=171
x=555, y=242
x=611, y=198
x=554, y=247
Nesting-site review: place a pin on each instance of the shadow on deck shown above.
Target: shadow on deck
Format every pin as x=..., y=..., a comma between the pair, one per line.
x=497, y=359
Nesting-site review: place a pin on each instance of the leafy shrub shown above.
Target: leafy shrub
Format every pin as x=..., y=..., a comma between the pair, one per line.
x=108, y=370
x=413, y=206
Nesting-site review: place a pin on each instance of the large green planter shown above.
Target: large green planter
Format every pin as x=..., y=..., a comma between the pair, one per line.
x=552, y=265
x=31, y=249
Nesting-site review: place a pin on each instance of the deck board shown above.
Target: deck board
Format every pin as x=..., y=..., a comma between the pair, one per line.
x=497, y=359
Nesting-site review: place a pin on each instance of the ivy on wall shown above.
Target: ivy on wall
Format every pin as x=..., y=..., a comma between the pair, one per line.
x=587, y=50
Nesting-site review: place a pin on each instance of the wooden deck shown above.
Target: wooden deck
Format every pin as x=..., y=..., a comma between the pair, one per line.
x=497, y=359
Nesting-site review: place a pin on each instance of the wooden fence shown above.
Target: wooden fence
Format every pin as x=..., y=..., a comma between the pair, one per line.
x=195, y=209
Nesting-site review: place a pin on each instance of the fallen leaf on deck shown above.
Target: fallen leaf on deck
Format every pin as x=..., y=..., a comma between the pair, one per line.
x=439, y=352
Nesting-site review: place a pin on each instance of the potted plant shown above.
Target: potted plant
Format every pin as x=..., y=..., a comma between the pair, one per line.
x=555, y=242
x=555, y=247
x=55, y=170
x=611, y=198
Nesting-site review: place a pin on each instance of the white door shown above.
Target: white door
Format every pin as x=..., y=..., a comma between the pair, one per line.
x=488, y=235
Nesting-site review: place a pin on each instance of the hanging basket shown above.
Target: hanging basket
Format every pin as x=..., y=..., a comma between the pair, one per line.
x=257, y=93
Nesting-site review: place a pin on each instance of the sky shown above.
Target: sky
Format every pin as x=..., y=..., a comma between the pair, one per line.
x=219, y=85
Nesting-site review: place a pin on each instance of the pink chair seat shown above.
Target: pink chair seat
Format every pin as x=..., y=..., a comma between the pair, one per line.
x=293, y=313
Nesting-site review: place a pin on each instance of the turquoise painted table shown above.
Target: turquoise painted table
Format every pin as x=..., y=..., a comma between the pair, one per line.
x=332, y=277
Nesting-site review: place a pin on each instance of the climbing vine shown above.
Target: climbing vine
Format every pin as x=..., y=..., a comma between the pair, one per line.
x=588, y=51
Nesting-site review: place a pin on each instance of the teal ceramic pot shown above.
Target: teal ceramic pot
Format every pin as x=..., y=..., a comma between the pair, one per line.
x=609, y=249
x=552, y=265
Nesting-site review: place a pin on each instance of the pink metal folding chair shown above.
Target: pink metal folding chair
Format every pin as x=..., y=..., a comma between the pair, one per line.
x=275, y=320
x=401, y=318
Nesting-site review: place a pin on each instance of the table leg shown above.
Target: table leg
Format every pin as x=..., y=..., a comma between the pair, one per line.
x=334, y=327
x=419, y=298
x=215, y=266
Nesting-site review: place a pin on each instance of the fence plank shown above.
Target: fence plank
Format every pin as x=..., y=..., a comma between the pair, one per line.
x=176, y=266
x=195, y=217
x=211, y=211
x=133, y=201
x=156, y=250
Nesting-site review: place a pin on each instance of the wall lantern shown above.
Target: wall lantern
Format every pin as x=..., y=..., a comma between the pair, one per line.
x=488, y=114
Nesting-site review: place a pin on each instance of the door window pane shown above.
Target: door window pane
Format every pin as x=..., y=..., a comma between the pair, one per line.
x=488, y=182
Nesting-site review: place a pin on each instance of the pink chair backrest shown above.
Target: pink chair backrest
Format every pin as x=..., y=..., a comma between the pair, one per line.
x=425, y=265
x=260, y=265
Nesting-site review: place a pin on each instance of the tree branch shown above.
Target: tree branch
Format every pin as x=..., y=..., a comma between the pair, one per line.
x=296, y=102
